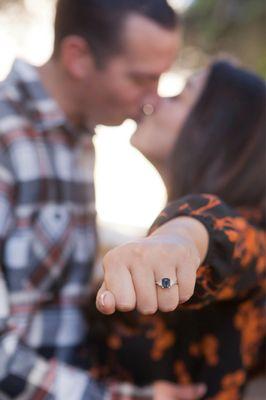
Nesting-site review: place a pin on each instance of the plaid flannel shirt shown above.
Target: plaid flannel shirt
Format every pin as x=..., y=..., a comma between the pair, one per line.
x=48, y=241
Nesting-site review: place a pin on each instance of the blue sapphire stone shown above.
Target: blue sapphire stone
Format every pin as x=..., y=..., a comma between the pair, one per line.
x=166, y=283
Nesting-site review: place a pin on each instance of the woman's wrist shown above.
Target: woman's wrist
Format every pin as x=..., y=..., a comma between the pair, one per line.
x=190, y=229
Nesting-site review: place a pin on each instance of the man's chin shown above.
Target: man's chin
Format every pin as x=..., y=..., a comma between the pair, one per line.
x=112, y=121
x=137, y=117
x=118, y=120
x=115, y=122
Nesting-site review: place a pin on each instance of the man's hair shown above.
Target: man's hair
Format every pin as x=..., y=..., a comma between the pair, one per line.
x=100, y=22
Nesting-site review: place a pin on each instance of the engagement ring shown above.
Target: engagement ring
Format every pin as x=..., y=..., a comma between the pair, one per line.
x=166, y=283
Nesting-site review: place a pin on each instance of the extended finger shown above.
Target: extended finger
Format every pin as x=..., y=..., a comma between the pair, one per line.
x=168, y=298
x=118, y=280
x=105, y=301
x=186, y=278
x=190, y=392
x=145, y=289
x=164, y=390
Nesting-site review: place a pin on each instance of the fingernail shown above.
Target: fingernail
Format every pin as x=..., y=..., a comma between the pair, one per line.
x=102, y=298
x=202, y=389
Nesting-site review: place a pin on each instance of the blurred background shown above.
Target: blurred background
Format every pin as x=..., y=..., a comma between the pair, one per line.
x=129, y=191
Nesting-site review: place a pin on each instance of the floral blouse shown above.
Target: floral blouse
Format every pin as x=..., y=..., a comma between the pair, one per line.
x=217, y=337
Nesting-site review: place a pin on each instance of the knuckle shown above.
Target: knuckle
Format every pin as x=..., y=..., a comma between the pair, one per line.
x=196, y=260
x=125, y=306
x=147, y=310
x=108, y=259
x=139, y=251
x=185, y=251
x=109, y=263
x=168, y=307
x=185, y=298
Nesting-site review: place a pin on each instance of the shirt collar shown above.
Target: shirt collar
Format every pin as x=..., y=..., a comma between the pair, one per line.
x=42, y=109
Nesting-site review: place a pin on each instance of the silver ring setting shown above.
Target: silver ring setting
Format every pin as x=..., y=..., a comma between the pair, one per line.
x=166, y=283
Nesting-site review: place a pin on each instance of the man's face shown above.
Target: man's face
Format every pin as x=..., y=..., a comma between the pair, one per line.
x=118, y=90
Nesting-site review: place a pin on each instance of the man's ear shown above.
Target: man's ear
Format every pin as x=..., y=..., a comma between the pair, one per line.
x=76, y=57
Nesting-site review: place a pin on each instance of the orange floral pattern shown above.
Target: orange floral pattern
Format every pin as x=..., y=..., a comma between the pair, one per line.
x=230, y=386
x=217, y=336
x=162, y=338
x=208, y=348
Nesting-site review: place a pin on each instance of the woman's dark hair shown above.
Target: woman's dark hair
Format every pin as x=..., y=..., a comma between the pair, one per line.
x=100, y=22
x=222, y=145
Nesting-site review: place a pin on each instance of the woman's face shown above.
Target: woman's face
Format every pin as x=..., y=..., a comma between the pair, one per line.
x=156, y=135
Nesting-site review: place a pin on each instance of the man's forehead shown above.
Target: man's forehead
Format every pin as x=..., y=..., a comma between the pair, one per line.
x=145, y=41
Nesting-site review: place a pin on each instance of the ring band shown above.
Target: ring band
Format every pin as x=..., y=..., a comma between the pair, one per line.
x=147, y=109
x=166, y=283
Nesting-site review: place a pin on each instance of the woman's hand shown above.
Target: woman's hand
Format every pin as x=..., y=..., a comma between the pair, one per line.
x=173, y=251
x=169, y=391
x=160, y=390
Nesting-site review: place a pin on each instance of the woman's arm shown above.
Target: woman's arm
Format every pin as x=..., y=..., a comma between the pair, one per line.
x=205, y=241
x=236, y=257
x=188, y=228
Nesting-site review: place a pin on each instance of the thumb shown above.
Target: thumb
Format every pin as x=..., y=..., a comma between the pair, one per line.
x=190, y=392
x=105, y=301
x=168, y=391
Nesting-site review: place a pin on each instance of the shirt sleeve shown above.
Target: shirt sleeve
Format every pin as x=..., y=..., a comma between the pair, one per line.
x=23, y=373
x=235, y=261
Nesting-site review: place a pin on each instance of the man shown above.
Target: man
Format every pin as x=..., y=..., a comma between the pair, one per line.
x=107, y=59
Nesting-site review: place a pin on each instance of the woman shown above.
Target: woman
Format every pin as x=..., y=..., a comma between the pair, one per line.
x=205, y=251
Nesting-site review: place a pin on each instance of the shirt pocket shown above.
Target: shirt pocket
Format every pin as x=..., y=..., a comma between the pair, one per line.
x=52, y=245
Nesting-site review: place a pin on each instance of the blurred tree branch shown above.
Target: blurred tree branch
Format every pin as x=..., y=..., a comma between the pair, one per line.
x=8, y=3
x=234, y=26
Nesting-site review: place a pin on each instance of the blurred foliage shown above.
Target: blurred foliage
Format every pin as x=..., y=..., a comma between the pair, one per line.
x=12, y=8
x=237, y=27
x=8, y=3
